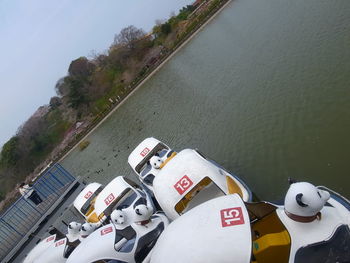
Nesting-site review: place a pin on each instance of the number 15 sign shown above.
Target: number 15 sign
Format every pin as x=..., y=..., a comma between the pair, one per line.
x=232, y=216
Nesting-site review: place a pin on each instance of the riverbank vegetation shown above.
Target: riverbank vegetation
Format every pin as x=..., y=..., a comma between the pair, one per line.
x=91, y=89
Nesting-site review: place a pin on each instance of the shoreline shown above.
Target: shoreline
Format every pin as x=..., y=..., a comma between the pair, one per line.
x=177, y=49
x=12, y=194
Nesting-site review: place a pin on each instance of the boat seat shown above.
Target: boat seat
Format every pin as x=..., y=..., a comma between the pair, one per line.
x=69, y=248
x=148, y=179
x=272, y=247
x=271, y=240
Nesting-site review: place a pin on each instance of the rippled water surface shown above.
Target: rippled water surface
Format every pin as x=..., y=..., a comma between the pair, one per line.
x=264, y=90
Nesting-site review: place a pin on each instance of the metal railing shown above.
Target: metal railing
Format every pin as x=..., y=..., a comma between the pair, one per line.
x=24, y=215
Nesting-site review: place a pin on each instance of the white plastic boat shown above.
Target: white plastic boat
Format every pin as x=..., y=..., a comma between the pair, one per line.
x=84, y=202
x=189, y=179
x=55, y=250
x=39, y=249
x=121, y=193
x=132, y=244
x=139, y=159
x=180, y=181
x=48, y=251
x=309, y=228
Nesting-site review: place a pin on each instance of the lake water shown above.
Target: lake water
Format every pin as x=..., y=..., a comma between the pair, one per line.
x=264, y=90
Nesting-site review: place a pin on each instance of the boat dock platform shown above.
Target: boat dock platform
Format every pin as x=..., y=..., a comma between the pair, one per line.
x=25, y=224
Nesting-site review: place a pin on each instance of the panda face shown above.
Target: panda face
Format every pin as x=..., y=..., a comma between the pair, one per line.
x=142, y=213
x=87, y=229
x=304, y=199
x=156, y=162
x=74, y=227
x=118, y=217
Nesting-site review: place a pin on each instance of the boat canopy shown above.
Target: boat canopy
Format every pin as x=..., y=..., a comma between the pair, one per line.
x=86, y=196
x=114, y=192
x=178, y=185
x=215, y=231
x=54, y=253
x=40, y=249
x=97, y=246
x=143, y=152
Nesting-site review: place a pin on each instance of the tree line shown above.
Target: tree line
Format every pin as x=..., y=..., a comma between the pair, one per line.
x=89, y=87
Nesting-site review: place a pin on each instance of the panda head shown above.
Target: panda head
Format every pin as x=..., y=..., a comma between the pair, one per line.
x=305, y=200
x=156, y=162
x=118, y=217
x=142, y=213
x=73, y=231
x=87, y=229
x=74, y=227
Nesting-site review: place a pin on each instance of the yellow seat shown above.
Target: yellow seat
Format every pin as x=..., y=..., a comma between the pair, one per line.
x=271, y=240
x=273, y=247
x=93, y=218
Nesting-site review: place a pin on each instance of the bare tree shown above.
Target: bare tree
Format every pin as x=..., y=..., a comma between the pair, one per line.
x=92, y=54
x=60, y=87
x=128, y=36
x=55, y=102
x=159, y=22
x=81, y=67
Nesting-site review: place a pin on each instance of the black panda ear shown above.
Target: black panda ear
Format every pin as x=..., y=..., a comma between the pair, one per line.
x=298, y=199
x=292, y=180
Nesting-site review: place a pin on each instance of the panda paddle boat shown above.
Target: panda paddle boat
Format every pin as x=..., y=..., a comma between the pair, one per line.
x=139, y=160
x=52, y=250
x=40, y=248
x=313, y=226
x=84, y=202
x=120, y=242
x=55, y=253
x=121, y=193
x=189, y=179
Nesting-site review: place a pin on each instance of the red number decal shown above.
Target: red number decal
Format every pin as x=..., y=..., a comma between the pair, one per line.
x=50, y=238
x=59, y=243
x=183, y=184
x=106, y=231
x=232, y=216
x=109, y=199
x=88, y=194
x=144, y=152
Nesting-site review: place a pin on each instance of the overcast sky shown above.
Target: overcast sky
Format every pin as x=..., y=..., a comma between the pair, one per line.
x=39, y=39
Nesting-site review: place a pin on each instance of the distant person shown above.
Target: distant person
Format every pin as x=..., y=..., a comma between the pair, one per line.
x=29, y=193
